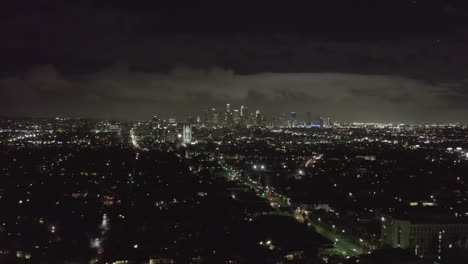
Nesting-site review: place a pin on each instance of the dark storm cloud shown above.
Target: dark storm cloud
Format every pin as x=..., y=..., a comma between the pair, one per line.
x=83, y=36
x=118, y=92
x=122, y=59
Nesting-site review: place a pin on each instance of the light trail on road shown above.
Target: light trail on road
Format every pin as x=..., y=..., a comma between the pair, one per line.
x=342, y=245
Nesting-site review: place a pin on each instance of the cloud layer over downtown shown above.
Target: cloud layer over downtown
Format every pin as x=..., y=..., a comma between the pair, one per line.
x=115, y=68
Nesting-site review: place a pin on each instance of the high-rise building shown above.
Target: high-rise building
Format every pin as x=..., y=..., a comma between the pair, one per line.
x=172, y=120
x=283, y=120
x=236, y=116
x=293, y=116
x=156, y=122
x=258, y=118
x=275, y=121
x=293, y=119
x=214, y=116
x=308, y=118
x=187, y=133
x=228, y=118
x=325, y=121
x=242, y=111
x=228, y=108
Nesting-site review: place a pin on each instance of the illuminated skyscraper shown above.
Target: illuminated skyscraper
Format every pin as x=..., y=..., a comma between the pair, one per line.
x=156, y=122
x=236, y=116
x=293, y=116
x=293, y=119
x=172, y=120
x=325, y=121
x=247, y=119
x=258, y=118
x=242, y=111
x=228, y=108
x=187, y=133
x=214, y=116
x=283, y=120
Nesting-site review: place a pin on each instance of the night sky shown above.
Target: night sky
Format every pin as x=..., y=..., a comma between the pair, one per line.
x=394, y=61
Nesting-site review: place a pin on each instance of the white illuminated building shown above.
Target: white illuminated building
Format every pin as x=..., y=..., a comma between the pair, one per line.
x=187, y=133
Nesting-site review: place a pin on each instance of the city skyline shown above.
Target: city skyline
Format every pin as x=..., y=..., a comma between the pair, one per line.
x=194, y=117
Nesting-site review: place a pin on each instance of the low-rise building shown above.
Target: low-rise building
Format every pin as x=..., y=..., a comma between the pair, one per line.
x=426, y=236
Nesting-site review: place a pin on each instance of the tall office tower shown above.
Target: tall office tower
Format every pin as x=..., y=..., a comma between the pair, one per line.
x=229, y=118
x=198, y=119
x=293, y=119
x=325, y=121
x=228, y=108
x=293, y=116
x=236, y=116
x=283, y=120
x=213, y=114
x=187, y=133
x=156, y=122
x=308, y=118
x=172, y=120
x=247, y=118
x=274, y=121
x=258, y=118
x=242, y=111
